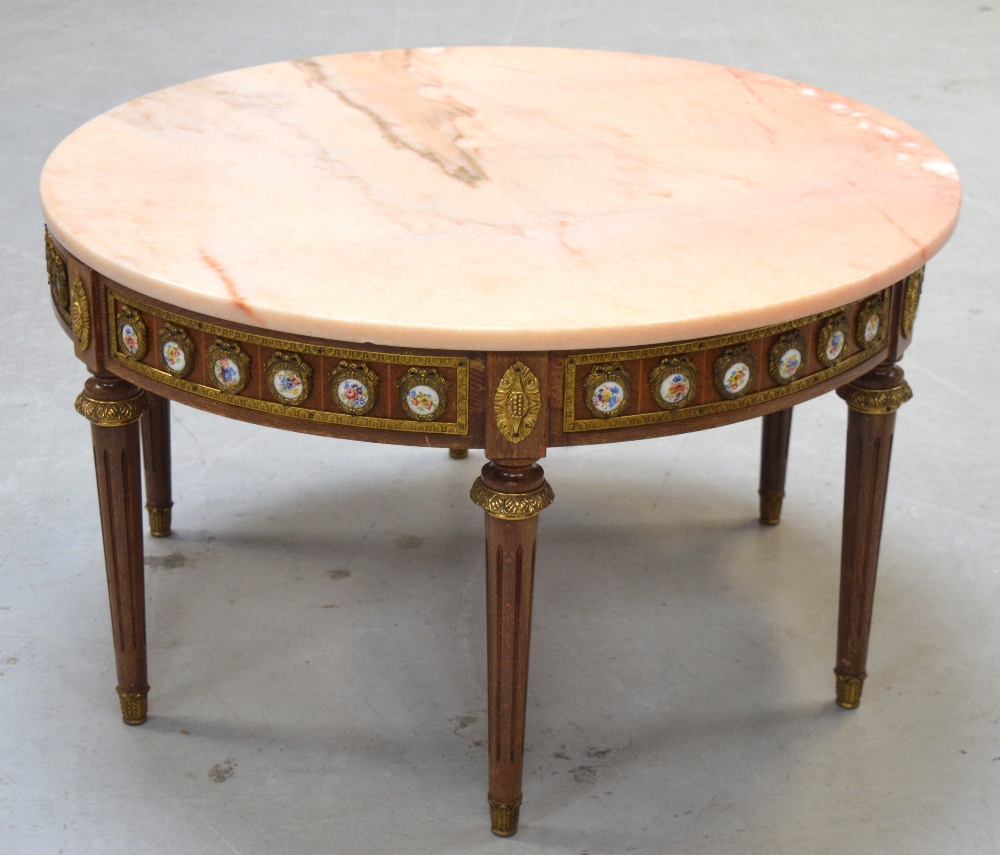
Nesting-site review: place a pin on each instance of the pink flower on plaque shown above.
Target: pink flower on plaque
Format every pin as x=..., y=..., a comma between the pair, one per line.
x=130, y=340
x=353, y=394
x=675, y=388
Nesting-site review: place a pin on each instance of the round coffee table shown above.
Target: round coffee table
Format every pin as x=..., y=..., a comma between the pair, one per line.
x=500, y=248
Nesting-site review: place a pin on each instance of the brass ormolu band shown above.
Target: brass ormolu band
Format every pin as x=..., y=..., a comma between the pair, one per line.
x=134, y=705
x=503, y=817
x=112, y=413
x=159, y=520
x=849, y=690
x=511, y=506
x=880, y=402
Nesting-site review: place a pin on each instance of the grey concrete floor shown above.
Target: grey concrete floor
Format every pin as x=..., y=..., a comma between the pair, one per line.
x=316, y=623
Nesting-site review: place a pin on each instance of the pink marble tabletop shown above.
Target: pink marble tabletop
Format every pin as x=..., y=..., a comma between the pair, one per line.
x=500, y=198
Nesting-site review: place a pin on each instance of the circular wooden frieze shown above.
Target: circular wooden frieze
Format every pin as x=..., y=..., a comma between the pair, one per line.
x=871, y=327
x=423, y=394
x=787, y=358
x=673, y=382
x=734, y=373
x=831, y=341
x=228, y=367
x=606, y=390
x=176, y=350
x=355, y=388
x=132, y=334
x=289, y=378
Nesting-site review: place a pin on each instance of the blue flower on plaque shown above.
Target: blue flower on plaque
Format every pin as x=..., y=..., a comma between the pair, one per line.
x=288, y=378
x=229, y=367
x=607, y=389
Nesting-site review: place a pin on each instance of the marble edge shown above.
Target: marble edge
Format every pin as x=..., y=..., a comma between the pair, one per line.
x=500, y=338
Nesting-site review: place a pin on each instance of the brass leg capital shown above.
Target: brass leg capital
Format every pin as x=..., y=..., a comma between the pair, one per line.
x=159, y=520
x=770, y=509
x=503, y=817
x=511, y=506
x=878, y=402
x=133, y=705
x=112, y=413
x=849, y=690
x=458, y=453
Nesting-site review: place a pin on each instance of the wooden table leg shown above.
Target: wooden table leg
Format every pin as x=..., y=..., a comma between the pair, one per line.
x=773, y=463
x=512, y=497
x=458, y=453
x=873, y=401
x=156, y=464
x=114, y=408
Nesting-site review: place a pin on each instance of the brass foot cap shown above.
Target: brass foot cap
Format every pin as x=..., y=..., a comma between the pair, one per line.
x=503, y=817
x=770, y=509
x=458, y=453
x=133, y=706
x=159, y=521
x=849, y=690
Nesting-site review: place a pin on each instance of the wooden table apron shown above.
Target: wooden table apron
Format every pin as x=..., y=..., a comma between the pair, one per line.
x=512, y=405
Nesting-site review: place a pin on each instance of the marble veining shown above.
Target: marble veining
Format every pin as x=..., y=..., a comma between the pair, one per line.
x=500, y=198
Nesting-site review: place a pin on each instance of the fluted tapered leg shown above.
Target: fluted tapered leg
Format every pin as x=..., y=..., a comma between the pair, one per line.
x=114, y=408
x=873, y=401
x=773, y=463
x=156, y=463
x=512, y=497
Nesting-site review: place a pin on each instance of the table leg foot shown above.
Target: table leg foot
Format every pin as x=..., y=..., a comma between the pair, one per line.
x=773, y=464
x=849, y=690
x=458, y=453
x=114, y=408
x=155, y=428
x=503, y=817
x=770, y=509
x=873, y=400
x=512, y=494
x=134, y=705
x=159, y=521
